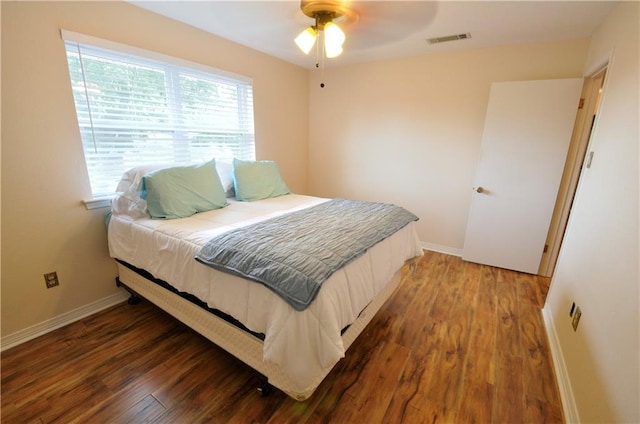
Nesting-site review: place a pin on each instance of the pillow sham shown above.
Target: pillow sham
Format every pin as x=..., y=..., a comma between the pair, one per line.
x=256, y=180
x=182, y=191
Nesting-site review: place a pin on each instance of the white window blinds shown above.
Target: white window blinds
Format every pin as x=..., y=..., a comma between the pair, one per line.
x=137, y=107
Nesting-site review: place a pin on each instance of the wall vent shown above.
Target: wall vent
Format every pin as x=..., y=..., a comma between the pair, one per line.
x=446, y=38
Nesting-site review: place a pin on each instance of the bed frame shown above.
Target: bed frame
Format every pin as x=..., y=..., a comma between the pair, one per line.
x=239, y=343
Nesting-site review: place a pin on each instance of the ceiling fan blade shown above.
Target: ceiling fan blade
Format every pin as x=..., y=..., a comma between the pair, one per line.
x=386, y=22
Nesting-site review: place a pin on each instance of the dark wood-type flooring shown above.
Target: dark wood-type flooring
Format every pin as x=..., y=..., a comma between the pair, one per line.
x=457, y=343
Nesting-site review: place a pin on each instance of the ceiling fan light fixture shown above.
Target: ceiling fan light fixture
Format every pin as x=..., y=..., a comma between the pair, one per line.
x=325, y=12
x=306, y=39
x=332, y=51
x=333, y=35
x=333, y=40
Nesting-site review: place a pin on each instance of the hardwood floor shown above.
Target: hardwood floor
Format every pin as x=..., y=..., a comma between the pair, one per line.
x=458, y=342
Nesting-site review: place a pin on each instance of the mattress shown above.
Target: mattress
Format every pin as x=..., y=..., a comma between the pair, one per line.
x=305, y=344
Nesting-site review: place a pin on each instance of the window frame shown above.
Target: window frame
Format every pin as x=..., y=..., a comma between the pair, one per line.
x=104, y=200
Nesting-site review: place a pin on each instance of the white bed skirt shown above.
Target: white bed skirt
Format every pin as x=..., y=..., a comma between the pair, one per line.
x=236, y=341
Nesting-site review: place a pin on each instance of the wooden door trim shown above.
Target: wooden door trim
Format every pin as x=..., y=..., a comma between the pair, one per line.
x=573, y=167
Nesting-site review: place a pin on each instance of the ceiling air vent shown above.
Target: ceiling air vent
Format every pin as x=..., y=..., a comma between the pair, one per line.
x=437, y=40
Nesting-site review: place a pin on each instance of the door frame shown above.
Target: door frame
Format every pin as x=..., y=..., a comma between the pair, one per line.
x=592, y=91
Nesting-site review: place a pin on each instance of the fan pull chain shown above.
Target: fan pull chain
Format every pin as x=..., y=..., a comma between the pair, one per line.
x=320, y=62
x=320, y=59
x=322, y=72
x=317, y=55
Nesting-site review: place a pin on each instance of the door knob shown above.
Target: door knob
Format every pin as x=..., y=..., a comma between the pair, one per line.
x=479, y=189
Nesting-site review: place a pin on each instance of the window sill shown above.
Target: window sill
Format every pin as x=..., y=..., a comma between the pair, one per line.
x=97, y=203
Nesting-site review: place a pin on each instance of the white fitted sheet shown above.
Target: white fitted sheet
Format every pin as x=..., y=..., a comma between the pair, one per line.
x=305, y=344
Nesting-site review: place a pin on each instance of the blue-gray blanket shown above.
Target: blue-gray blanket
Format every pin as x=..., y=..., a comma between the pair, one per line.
x=294, y=254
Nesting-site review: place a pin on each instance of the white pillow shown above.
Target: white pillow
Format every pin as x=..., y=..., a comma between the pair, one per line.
x=225, y=172
x=127, y=200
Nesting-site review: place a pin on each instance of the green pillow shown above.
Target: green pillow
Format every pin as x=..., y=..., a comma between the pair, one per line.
x=255, y=180
x=183, y=191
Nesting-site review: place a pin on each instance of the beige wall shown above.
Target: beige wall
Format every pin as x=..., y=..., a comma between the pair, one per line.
x=45, y=226
x=408, y=131
x=598, y=263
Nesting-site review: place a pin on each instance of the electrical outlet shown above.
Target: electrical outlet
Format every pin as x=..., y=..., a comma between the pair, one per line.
x=576, y=318
x=51, y=279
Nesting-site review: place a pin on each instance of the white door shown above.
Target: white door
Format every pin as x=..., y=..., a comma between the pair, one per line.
x=524, y=147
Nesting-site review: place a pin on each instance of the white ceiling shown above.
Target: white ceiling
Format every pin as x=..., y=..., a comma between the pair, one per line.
x=389, y=29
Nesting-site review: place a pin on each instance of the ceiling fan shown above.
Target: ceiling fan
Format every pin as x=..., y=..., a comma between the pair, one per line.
x=379, y=22
x=326, y=13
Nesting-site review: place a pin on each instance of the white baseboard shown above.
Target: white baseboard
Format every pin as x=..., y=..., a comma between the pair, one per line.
x=61, y=320
x=441, y=249
x=566, y=392
x=72, y=316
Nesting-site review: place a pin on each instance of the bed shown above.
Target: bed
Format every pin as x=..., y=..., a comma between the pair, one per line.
x=294, y=349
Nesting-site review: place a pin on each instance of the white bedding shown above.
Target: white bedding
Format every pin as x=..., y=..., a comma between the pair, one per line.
x=304, y=344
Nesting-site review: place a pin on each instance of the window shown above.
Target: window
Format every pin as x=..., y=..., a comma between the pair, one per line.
x=136, y=107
